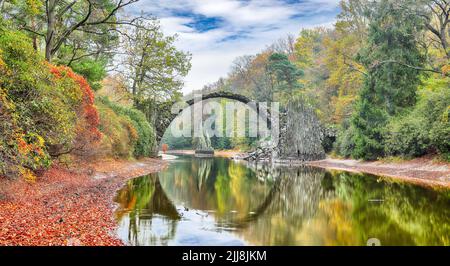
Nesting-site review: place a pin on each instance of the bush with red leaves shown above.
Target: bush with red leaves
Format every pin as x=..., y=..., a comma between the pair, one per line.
x=87, y=133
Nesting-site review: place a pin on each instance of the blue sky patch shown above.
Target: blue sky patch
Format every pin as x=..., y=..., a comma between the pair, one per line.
x=202, y=23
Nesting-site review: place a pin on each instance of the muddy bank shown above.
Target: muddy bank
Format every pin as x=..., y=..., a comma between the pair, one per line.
x=67, y=206
x=421, y=171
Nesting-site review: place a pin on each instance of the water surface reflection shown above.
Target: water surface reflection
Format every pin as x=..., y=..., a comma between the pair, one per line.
x=216, y=201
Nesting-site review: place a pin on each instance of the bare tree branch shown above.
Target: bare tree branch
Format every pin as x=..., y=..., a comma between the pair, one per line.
x=378, y=64
x=71, y=29
x=32, y=31
x=67, y=8
x=112, y=13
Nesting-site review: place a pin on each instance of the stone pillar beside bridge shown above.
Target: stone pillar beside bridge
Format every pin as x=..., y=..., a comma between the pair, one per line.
x=301, y=135
x=202, y=145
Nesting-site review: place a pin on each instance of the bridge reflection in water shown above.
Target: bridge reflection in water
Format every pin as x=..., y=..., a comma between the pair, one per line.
x=216, y=201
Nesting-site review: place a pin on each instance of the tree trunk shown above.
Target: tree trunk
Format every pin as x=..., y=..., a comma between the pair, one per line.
x=138, y=77
x=35, y=43
x=50, y=9
x=444, y=42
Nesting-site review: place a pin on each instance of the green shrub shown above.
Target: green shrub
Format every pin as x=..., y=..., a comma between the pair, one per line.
x=41, y=110
x=344, y=144
x=93, y=70
x=406, y=136
x=43, y=105
x=426, y=128
x=20, y=152
x=145, y=143
x=119, y=135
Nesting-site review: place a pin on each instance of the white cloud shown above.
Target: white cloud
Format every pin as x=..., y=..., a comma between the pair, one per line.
x=175, y=25
x=243, y=27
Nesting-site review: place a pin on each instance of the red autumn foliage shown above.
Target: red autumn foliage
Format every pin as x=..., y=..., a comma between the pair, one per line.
x=87, y=128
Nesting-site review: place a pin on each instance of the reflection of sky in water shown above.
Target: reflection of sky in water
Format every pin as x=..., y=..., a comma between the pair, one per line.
x=195, y=228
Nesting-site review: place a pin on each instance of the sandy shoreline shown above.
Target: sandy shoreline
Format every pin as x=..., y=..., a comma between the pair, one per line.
x=420, y=171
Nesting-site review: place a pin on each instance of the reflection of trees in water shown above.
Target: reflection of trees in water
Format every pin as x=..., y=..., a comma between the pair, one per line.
x=144, y=199
x=190, y=182
x=295, y=194
x=226, y=187
x=279, y=205
x=407, y=214
x=240, y=194
x=203, y=169
x=294, y=198
x=337, y=208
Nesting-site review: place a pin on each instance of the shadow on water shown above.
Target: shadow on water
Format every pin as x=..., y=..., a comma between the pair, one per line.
x=216, y=201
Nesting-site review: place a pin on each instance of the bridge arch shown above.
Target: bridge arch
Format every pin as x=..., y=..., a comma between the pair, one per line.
x=165, y=123
x=299, y=133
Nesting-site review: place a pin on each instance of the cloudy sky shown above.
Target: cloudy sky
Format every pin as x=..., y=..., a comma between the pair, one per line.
x=218, y=31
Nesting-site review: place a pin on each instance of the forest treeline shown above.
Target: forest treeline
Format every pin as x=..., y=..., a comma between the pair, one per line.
x=83, y=79
x=59, y=101
x=379, y=79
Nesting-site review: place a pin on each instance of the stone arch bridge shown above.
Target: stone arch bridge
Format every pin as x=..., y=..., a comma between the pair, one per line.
x=300, y=132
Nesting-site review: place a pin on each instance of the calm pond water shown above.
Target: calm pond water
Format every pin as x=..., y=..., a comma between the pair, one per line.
x=217, y=201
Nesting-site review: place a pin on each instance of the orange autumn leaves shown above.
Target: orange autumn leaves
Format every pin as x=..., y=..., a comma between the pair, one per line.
x=87, y=126
x=25, y=152
x=29, y=151
x=46, y=110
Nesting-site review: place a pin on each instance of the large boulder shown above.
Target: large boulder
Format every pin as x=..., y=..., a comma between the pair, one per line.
x=301, y=133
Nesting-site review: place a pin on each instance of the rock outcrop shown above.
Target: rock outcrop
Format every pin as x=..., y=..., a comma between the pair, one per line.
x=301, y=134
x=300, y=137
